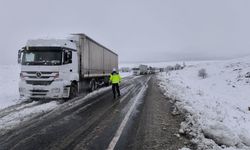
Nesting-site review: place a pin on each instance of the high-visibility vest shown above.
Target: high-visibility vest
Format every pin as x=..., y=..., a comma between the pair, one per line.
x=115, y=78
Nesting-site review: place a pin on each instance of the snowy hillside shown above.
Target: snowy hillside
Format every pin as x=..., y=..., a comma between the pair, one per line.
x=217, y=106
x=9, y=76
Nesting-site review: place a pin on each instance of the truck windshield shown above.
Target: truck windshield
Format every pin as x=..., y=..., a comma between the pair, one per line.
x=42, y=56
x=135, y=69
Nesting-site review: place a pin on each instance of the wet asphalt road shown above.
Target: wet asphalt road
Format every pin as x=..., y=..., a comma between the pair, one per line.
x=76, y=124
x=97, y=121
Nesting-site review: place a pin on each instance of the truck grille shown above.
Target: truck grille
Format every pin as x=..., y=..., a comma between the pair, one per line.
x=38, y=94
x=38, y=82
x=34, y=77
x=34, y=72
x=39, y=75
x=39, y=90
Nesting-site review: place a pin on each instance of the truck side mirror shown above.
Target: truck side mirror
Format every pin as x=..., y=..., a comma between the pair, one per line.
x=19, y=56
x=70, y=61
x=68, y=57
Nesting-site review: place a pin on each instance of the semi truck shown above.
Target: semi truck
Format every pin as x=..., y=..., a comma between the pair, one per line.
x=63, y=68
x=140, y=70
x=136, y=71
x=154, y=70
x=143, y=69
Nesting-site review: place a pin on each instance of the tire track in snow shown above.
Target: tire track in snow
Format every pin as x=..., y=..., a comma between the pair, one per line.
x=17, y=107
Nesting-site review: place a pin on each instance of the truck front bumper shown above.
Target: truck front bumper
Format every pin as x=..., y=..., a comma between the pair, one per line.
x=56, y=90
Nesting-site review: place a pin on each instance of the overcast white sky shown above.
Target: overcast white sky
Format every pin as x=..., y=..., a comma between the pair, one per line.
x=138, y=30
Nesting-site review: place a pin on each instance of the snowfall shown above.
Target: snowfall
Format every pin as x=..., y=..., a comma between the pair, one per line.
x=217, y=107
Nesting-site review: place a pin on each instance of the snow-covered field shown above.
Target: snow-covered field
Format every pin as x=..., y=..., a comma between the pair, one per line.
x=216, y=107
x=9, y=76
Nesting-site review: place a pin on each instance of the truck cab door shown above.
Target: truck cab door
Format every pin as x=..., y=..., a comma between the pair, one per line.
x=70, y=66
x=67, y=64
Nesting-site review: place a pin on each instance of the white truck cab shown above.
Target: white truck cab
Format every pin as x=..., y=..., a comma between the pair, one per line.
x=48, y=68
x=136, y=71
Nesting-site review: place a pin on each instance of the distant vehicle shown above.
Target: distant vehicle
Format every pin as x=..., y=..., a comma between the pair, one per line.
x=136, y=71
x=149, y=70
x=169, y=68
x=154, y=70
x=143, y=69
x=63, y=68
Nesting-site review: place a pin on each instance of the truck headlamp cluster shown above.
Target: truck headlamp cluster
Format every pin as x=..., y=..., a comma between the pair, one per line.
x=22, y=76
x=56, y=76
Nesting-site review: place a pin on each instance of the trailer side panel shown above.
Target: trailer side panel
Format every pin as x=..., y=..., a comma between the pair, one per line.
x=96, y=60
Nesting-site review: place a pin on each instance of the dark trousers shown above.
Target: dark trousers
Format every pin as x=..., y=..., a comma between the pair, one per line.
x=115, y=88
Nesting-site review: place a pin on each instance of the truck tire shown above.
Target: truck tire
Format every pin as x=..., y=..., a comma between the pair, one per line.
x=92, y=85
x=73, y=91
x=106, y=81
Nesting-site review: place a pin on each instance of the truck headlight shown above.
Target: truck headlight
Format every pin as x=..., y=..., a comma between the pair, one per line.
x=56, y=77
x=22, y=77
x=55, y=90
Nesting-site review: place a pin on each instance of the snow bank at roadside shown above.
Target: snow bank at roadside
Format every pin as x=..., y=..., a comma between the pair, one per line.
x=9, y=76
x=217, y=106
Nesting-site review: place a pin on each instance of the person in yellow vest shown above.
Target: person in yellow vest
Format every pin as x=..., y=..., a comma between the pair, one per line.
x=115, y=80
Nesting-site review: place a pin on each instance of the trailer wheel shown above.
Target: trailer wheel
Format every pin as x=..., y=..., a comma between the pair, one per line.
x=106, y=81
x=92, y=85
x=73, y=91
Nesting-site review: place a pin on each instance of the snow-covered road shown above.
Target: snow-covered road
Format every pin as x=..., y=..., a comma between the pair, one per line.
x=56, y=126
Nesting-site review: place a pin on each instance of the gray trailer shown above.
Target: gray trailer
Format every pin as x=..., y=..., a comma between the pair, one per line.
x=143, y=69
x=96, y=62
x=95, y=59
